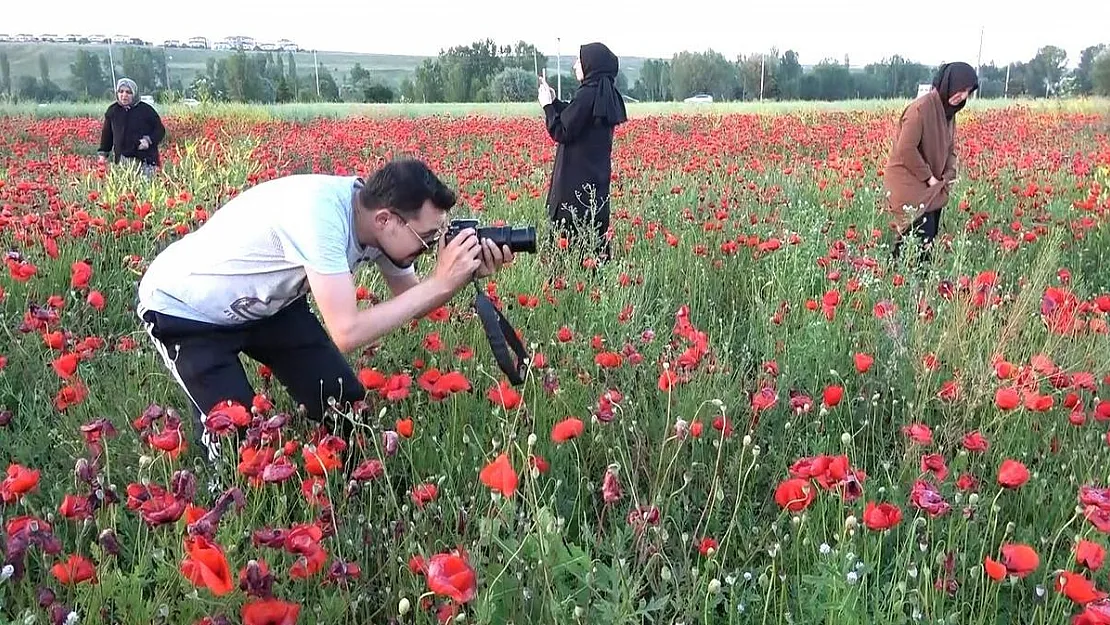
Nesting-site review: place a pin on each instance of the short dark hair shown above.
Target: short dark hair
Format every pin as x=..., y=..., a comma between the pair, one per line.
x=404, y=185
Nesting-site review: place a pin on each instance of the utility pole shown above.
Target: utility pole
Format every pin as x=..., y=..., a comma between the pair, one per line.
x=1006, y=89
x=316, y=63
x=559, y=67
x=762, y=63
x=112, y=63
x=979, y=60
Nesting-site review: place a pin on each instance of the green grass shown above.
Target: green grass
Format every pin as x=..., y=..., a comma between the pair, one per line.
x=525, y=109
x=701, y=200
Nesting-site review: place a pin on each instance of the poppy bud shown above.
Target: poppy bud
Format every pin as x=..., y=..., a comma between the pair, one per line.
x=45, y=596
x=108, y=542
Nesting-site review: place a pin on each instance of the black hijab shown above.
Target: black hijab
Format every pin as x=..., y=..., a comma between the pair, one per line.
x=953, y=78
x=599, y=70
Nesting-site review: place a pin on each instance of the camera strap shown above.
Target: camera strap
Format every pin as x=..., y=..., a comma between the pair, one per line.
x=502, y=338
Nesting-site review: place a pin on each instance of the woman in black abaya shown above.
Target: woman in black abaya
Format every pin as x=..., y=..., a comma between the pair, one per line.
x=583, y=129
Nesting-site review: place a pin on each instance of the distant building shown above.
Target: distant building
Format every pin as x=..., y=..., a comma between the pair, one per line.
x=235, y=42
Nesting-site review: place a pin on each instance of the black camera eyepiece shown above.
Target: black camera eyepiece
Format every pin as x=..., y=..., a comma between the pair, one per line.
x=518, y=239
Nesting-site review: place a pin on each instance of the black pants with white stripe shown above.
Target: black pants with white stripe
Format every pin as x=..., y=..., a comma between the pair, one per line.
x=204, y=359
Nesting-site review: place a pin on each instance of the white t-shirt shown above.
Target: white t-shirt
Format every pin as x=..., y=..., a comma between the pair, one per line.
x=248, y=260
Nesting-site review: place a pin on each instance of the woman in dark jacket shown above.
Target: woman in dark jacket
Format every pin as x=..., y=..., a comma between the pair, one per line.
x=583, y=128
x=132, y=129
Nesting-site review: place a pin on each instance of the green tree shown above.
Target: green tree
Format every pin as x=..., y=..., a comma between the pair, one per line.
x=88, y=78
x=1083, y=75
x=283, y=91
x=139, y=65
x=45, y=89
x=513, y=84
x=28, y=89
x=654, y=83
x=378, y=92
x=408, y=90
x=569, y=84
x=5, y=74
x=1046, y=71
x=755, y=68
x=293, y=77
x=358, y=74
x=467, y=70
x=992, y=81
x=523, y=55
x=703, y=72
x=362, y=86
x=240, y=78
x=829, y=80
x=428, y=85
x=1017, y=84
x=790, y=76
x=1100, y=73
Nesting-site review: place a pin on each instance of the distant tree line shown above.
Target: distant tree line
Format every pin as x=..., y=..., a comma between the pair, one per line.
x=487, y=72
x=781, y=77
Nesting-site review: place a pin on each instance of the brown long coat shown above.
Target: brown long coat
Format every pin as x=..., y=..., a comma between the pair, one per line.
x=924, y=147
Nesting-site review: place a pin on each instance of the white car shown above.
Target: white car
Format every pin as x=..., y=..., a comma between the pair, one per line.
x=701, y=98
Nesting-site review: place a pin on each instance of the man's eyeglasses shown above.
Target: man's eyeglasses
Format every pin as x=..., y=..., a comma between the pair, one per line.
x=428, y=243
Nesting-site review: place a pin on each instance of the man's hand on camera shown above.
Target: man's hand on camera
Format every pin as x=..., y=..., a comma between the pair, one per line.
x=457, y=261
x=493, y=258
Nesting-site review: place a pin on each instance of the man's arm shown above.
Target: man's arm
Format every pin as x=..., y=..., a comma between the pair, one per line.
x=398, y=284
x=351, y=328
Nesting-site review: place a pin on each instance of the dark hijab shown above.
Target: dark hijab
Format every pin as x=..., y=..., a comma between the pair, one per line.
x=953, y=78
x=599, y=70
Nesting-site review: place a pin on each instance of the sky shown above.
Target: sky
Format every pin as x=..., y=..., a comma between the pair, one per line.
x=864, y=30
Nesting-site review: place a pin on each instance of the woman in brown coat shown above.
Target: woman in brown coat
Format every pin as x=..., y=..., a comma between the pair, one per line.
x=922, y=162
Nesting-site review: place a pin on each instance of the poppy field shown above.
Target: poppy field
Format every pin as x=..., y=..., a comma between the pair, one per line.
x=751, y=414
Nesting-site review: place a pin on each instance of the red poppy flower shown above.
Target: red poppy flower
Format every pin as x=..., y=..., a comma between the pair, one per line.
x=270, y=612
x=450, y=575
x=19, y=482
x=500, y=476
x=205, y=566
x=882, y=516
x=1090, y=555
x=567, y=429
x=504, y=395
x=795, y=494
x=1012, y=474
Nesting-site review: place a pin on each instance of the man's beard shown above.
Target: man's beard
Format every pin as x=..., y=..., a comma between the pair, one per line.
x=399, y=264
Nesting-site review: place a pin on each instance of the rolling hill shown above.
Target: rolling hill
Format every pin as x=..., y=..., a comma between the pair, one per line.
x=185, y=63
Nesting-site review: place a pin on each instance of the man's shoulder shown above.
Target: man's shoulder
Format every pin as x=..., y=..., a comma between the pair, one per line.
x=301, y=202
x=313, y=182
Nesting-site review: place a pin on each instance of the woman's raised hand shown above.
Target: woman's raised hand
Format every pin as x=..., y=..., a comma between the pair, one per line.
x=546, y=93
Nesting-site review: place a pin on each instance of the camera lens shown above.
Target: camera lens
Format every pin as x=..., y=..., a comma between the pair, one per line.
x=522, y=240
x=517, y=239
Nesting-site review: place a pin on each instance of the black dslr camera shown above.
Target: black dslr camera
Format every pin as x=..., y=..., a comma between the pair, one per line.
x=508, y=350
x=518, y=239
